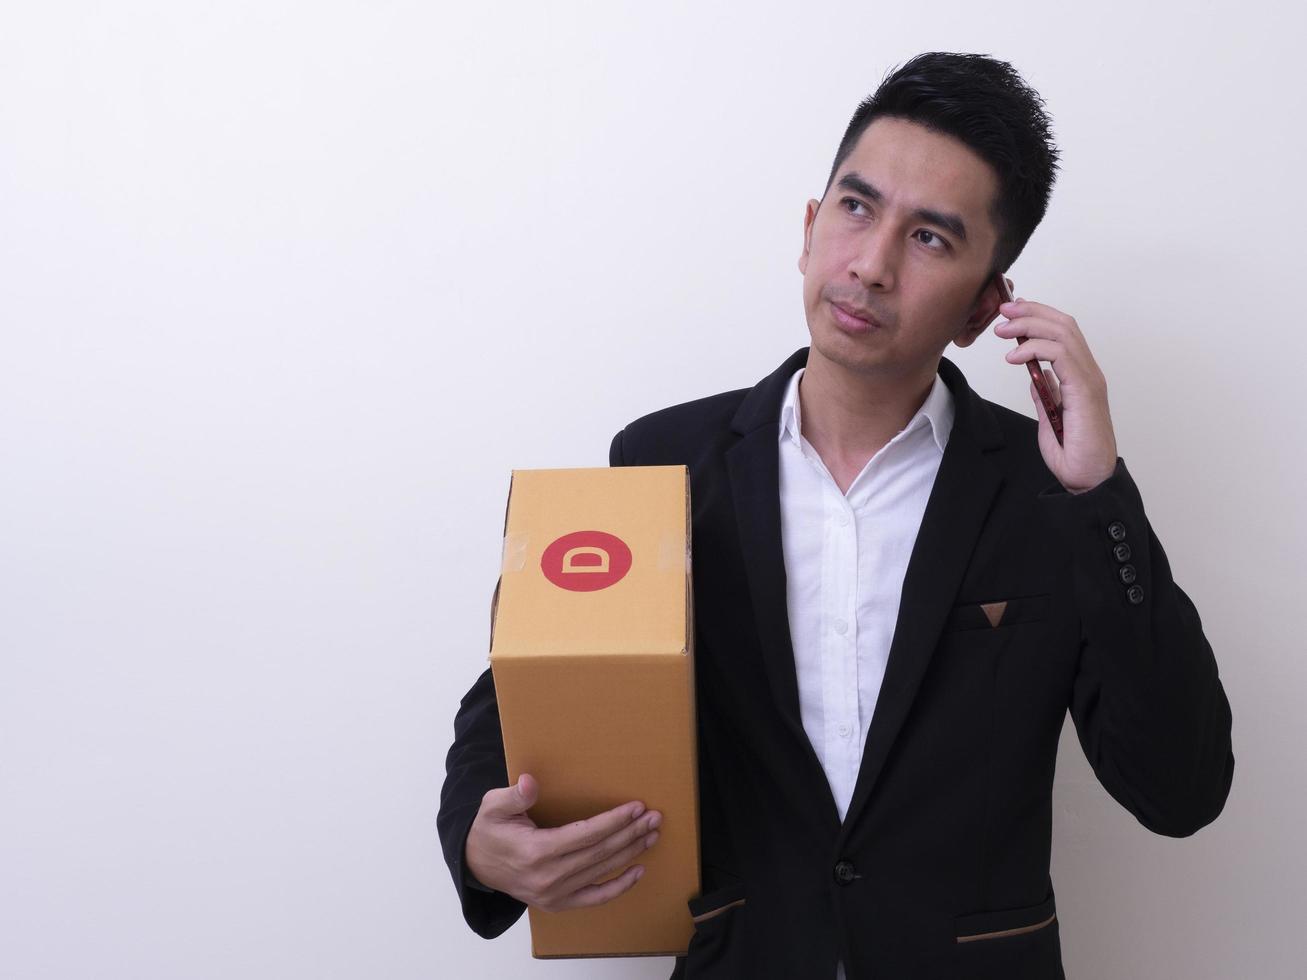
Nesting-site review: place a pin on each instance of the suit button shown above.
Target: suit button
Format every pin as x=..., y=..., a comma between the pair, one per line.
x=845, y=872
x=1135, y=594
x=1116, y=531
x=1121, y=552
x=1127, y=573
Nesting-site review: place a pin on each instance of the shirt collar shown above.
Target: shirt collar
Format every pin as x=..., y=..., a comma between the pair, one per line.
x=936, y=412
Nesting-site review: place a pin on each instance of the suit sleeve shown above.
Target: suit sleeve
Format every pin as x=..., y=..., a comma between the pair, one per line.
x=474, y=765
x=1147, y=701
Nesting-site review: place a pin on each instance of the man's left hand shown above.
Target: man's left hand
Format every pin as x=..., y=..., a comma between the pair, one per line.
x=1087, y=455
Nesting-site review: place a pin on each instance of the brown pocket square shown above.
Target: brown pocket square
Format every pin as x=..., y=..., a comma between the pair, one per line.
x=994, y=611
x=998, y=612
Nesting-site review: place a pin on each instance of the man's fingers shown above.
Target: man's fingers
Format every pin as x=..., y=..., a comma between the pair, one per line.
x=581, y=834
x=608, y=866
x=604, y=891
x=626, y=844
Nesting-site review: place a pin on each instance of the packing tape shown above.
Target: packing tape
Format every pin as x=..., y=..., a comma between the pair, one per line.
x=673, y=552
x=514, y=559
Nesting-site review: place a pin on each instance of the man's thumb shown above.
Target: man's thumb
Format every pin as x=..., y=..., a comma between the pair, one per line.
x=525, y=792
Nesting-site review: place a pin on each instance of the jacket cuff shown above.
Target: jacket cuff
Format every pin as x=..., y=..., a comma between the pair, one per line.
x=1107, y=529
x=488, y=912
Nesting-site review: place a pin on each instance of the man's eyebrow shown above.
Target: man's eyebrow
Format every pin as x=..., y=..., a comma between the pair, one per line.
x=952, y=222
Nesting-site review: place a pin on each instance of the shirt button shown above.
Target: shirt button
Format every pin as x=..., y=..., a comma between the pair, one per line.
x=844, y=730
x=844, y=520
x=1116, y=531
x=1135, y=594
x=1121, y=552
x=1127, y=573
x=841, y=627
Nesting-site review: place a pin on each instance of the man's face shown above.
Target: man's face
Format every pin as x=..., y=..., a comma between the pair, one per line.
x=915, y=275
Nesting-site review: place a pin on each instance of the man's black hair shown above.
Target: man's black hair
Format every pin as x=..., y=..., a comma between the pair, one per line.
x=984, y=103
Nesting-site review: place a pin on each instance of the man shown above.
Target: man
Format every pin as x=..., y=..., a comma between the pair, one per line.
x=900, y=590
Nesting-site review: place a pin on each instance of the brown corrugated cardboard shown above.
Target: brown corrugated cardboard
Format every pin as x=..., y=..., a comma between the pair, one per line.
x=592, y=651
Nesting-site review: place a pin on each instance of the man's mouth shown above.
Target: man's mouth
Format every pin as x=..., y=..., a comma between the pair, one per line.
x=855, y=318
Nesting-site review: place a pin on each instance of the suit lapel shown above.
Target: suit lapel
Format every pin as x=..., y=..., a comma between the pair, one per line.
x=959, y=501
x=753, y=464
x=965, y=487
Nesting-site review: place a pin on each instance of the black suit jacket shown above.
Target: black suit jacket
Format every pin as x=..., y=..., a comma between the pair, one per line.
x=941, y=866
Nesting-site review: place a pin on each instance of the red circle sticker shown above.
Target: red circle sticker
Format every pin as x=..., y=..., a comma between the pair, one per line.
x=586, y=561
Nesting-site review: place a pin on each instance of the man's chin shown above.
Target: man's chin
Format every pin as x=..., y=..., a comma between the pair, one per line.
x=846, y=352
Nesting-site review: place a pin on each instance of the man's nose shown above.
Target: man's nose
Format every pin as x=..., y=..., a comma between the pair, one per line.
x=877, y=258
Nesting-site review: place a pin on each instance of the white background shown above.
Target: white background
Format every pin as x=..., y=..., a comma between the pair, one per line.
x=288, y=289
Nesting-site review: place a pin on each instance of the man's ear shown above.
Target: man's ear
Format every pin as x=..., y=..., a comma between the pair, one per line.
x=809, y=216
x=983, y=312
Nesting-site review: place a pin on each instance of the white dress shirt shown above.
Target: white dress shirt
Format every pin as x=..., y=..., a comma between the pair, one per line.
x=845, y=560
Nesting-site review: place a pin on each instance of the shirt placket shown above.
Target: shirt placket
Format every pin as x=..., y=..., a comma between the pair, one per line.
x=839, y=589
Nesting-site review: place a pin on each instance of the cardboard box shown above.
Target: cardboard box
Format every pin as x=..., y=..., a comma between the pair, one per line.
x=592, y=652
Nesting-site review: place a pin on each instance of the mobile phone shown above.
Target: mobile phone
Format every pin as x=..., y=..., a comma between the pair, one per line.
x=1053, y=412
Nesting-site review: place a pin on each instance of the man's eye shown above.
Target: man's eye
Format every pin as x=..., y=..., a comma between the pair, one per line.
x=940, y=247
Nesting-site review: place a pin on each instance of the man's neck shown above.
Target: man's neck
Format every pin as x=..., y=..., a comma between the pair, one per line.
x=849, y=417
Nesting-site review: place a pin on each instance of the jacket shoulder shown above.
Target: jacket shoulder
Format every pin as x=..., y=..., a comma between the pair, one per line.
x=1018, y=429
x=678, y=433
x=1024, y=459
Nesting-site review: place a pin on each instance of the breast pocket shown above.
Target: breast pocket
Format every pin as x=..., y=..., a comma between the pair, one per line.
x=997, y=614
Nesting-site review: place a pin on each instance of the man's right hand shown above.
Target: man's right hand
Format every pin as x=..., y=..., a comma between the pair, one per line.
x=556, y=868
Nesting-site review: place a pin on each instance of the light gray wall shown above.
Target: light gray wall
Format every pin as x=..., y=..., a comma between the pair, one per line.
x=288, y=288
